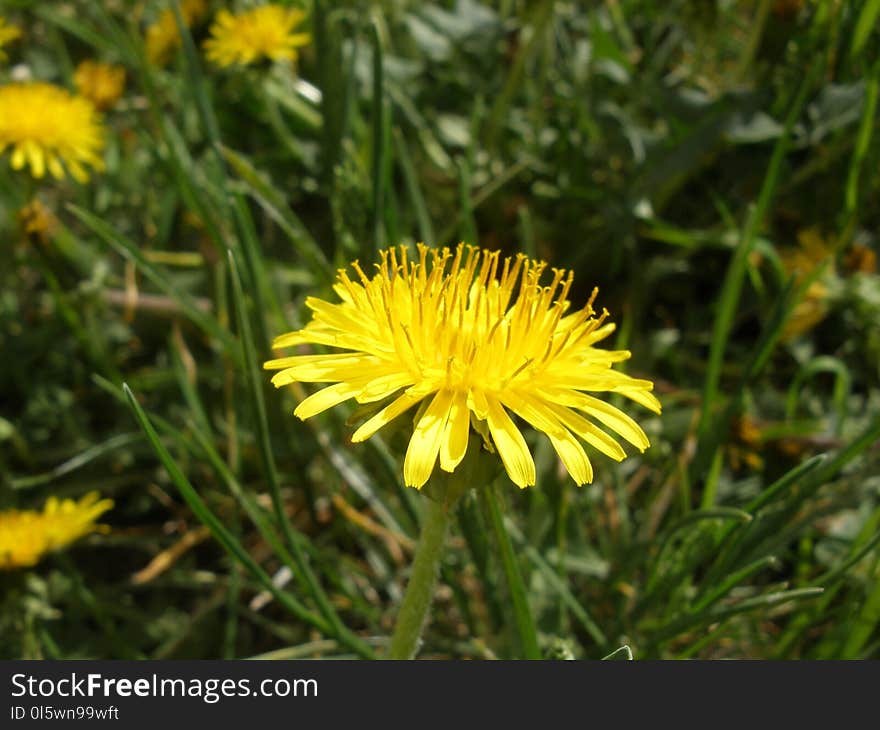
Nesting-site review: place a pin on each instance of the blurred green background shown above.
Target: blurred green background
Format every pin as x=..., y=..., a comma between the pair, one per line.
x=711, y=165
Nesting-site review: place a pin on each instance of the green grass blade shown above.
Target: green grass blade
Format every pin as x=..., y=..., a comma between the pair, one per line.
x=129, y=250
x=762, y=602
x=414, y=190
x=264, y=440
x=576, y=608
x=782, y=484
x=733, y=280
x=525, y=623
x=865, y=25
x=380, y=151
x=197, y=84
x=277, y=209
x=866, y=622
x=863, y=137
x=80, y=460
x=717, y=593
x=208, y=518
x=256, y=513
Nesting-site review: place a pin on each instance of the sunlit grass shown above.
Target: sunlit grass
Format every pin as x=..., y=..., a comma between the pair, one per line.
x=677, y=155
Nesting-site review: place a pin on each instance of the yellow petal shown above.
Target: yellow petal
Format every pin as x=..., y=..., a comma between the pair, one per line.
x=642, y=396
x=324, y=399
x=568, y=375
x=18, y=157
x=356, y=368
x=385, y=416
x=36, y=159
x=603, y=412
x=541, y=416
x=455, y=435
x=573, y=457
x=383, y=386
x=421, y=454
x=299, y=39
x=288, y=362
x=78, y=171
x=477, y=403
x=288, y=339
x=283, y=378
x=510, y=444
x=590, y=433
x=599, y=334
x=55, y=167
x=339, y=316
x=533, y=412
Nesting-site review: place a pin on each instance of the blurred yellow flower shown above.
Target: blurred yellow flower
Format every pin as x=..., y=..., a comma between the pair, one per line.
x=163, y=38
x=261, y=33
x=743, y=449
x=37, y=220
x=47, y=127
x=101, y=83
x=7, y=33
x=812, y=251
x=469, y=336
x=27, y=535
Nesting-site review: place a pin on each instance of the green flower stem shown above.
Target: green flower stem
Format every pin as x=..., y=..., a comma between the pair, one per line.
x=420, y=591
x=525, y=624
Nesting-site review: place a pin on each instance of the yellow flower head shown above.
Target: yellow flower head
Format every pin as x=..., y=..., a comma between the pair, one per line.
x=163, y=38
x=47, y=127
x=37, y=220
x=802, y=261
x=100, y=83
x=264, y=32
x=7, y=33
x=27, y=535
x=476, y=338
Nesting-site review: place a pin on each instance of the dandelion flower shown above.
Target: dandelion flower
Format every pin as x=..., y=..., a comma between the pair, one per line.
x=743, y=450
x=802, y=261
x=474, y=338
x=163, y=36
x=47, y=127
x=37, y=220
x=100, y=83
x=27, y=535
x=7, y=33
x=264, y=32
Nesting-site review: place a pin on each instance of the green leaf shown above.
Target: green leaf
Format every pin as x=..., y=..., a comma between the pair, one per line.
x=866, y=23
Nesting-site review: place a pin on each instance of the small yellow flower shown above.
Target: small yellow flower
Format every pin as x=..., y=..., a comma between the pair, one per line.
x=100, y=83
x=7, y=33
x=47, y=127
x=27, y=535
x=812, y=251
x=264, y=32
x=163, y=37
x=37, y=220
x=473, y=338
x=743, y=450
